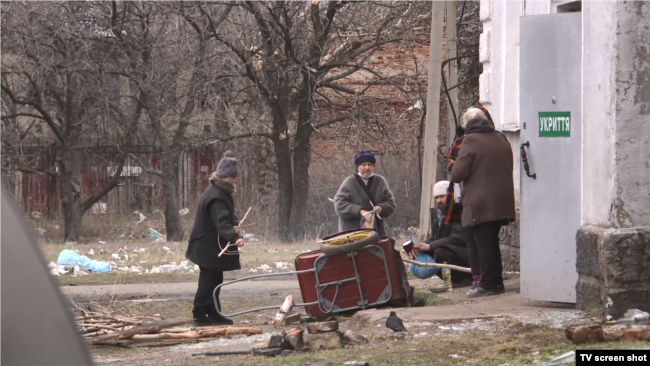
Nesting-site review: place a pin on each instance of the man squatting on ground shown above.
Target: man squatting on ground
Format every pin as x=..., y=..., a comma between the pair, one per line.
x=445, y=244
x=215, y=225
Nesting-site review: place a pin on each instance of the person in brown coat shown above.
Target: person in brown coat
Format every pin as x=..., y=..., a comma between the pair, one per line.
x=484, y=167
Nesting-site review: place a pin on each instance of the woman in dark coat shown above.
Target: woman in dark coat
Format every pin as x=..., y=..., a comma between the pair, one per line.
x=215, y=226
x=364, y=196
x=484, y=166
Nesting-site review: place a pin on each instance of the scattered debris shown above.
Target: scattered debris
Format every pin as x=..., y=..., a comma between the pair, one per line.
x=292, y=318
x=115, y=256
x=637, y=315
x=70, y=257
x=184, y=211
x=36, y=215
x=353, y=337
x=99, y=208
x=142, y=217
x=329, y=340
x=265, y=268
x=295, y=338
x=279, y=340
x=154, y=234
x=70, y=243
x=614, y=333
x=568, y=357
x=585, y=334
x=173, y=268
x=637, y=335
x=167, y=250
x=283, y=265
x=323, y=327
x=91, y=252
x=41, y=231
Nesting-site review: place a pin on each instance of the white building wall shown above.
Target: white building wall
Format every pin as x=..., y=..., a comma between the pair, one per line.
x=615, y=100
x=598, y=111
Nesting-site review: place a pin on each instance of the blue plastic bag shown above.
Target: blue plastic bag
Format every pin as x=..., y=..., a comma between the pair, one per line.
x=424, y=272
x=69, y=257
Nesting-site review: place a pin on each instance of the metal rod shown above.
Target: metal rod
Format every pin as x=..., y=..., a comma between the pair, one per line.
x=214, y=292
x=356, y=275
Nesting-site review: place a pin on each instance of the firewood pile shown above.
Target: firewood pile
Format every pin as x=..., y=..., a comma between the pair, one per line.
x=113, y=330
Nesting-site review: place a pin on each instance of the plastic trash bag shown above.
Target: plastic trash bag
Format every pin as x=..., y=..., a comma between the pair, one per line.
x=69, y=257
x=423, y=272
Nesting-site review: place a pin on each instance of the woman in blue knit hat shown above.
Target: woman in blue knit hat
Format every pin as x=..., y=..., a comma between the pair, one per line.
x=364, y=197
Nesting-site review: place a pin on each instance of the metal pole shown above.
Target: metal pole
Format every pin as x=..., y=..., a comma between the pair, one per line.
x=430, y=163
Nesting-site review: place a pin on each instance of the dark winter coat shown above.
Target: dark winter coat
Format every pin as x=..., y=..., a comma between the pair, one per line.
x=351, y=199
x=446, y=236
x=213, y=229
x=485, y=166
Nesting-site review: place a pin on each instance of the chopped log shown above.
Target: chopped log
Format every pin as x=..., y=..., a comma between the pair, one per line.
x=260, y=345
x=323, y=327
x=286, y=307
x=291, y=319
x=147, y=328
x=178, y=330
x=200, y=333
x=224, y=353
x=295, y=338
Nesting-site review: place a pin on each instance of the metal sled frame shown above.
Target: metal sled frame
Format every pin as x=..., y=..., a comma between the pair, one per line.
x=326, y=306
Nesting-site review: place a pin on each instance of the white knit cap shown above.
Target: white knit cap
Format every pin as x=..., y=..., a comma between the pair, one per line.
x=440, y=188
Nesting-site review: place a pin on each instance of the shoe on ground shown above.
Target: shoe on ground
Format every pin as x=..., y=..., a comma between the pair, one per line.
x=474, y=286
x=204, y=321
x=499, y=289
x=219, y=319
x=480, y=292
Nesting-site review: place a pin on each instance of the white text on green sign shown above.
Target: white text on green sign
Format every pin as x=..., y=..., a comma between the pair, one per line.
x=554, y=124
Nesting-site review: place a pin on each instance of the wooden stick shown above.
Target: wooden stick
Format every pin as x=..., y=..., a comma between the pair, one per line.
x=439, y=265
x=245, y=215
x=147, y=328
x=99, y=326
x=240, y=222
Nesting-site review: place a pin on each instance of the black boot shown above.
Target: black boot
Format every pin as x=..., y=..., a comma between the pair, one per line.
x=217, y=318
x=201, y=319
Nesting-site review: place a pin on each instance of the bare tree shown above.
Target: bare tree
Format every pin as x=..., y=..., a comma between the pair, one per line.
x=55, y=72
x=293, y=53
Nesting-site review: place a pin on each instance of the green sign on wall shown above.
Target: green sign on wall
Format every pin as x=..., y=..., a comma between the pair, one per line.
x=554, y=124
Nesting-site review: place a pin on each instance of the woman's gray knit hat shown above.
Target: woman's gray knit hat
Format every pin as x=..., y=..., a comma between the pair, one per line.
x=228, y=166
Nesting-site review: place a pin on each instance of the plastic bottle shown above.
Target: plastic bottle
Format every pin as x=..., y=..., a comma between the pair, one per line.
x=446, y=276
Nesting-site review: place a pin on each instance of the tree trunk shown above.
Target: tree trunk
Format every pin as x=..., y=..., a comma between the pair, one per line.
x=71, y=161
x=285, y=185
x=173, y=223
x=301, y=162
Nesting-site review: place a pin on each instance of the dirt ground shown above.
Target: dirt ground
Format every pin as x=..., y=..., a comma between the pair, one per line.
x=451, y=330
